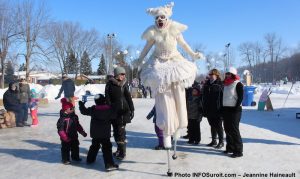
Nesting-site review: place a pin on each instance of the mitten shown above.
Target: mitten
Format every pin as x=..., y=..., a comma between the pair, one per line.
x=63, y=136
x=81, y=103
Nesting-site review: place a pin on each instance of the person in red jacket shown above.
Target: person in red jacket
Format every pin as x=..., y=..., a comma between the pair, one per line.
x=68, y=125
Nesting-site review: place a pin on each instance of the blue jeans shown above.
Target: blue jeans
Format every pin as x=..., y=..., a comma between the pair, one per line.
x=24, y=114
x=18, y=115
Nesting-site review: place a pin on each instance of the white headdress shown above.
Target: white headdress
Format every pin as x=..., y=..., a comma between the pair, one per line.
x=163, y=10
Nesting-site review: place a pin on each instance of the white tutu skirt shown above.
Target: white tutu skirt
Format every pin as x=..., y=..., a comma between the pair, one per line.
x=159, y=74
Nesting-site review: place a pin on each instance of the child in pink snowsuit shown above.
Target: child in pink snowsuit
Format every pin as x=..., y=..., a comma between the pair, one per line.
x=33, y=106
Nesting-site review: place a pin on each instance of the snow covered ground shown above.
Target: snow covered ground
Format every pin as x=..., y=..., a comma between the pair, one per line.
x=271, y=144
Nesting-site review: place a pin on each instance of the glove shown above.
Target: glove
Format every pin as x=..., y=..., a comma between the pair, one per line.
x=131, y=114
x=81, y=103
x=198, y=55
x=57, y=97
x=63, y=136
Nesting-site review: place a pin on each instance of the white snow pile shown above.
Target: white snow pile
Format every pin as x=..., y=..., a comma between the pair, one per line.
x=51, y=91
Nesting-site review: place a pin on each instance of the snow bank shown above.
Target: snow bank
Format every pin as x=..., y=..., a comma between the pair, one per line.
x=51, y=91
x=279, y=89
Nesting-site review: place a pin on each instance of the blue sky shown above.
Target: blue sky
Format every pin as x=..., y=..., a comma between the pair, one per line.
x=212, y=23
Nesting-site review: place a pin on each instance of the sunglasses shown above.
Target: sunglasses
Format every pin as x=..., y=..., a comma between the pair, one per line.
x=210, y=74
x=122, y=74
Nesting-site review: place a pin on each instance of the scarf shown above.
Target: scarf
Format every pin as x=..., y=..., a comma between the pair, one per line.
x=229, y=81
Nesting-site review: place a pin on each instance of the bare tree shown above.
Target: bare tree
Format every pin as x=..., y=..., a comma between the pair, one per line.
x=66, y=37
x=88, y=42
x=8, y=32
x=62, y=39
x=55, y=38
x=32, y=19
x=274, y=50
x=209, y=59
x=246, y=50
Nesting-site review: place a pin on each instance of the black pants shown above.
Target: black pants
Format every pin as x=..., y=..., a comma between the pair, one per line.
x=106, y=150
x=18, y=115
x=231, y=126
x=67, y=147
x=216, y=127
x=119, y=132
x=120, y=138
x=194, y=130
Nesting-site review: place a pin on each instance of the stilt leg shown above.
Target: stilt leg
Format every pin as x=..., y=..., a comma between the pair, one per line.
x=170, y=173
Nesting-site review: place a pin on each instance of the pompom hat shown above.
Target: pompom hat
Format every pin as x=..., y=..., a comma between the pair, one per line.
x=232, y=70
x=65, y=104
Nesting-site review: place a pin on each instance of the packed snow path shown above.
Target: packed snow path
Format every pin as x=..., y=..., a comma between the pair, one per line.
x=271, y=144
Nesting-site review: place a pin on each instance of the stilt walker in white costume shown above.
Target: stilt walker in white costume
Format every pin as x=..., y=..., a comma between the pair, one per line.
x=168, y=73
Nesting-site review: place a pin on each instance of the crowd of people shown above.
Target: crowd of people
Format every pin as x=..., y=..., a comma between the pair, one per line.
x=220, y=102
x=18, y=99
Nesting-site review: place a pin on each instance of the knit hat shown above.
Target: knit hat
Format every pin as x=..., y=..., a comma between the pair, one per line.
x=99, y=99
x=119, y=70
x=65, y=104
x=33, y=93
x=164, y=10
x=232, y=70
x=198, y=89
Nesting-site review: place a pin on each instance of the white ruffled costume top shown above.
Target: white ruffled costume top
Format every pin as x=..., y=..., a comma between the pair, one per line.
x=166, y=65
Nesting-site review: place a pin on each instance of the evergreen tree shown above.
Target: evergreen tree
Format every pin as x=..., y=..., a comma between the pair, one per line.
x=85, y=66
x=9, y=72
x=22, y=67
x=102, y=66
x=71, y=63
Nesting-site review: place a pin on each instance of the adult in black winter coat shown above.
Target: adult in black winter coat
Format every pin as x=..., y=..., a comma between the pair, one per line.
x=119, y=98
x=232, y=112
x=68, y=87
x=213, y=94
x=11, y=103
x=100, y=129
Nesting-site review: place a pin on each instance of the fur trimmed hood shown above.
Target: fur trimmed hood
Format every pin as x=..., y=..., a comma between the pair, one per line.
x=117, y=82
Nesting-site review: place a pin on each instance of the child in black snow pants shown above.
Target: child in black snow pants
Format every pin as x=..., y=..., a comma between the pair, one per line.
x=159, y=133
x=68, y=125
x=195, y=110
x=100, y=131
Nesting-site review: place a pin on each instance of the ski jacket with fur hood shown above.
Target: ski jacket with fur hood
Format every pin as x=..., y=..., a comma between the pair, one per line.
x=119, y=98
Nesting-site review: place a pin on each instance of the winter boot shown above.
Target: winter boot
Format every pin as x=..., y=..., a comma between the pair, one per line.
x=118, y=150
x=186, y=136
x=236, y=155
x=111, y=167
x=66, y=162
x=122, y=154
x=159, y=147
x=220, y=145
x=213, y=143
